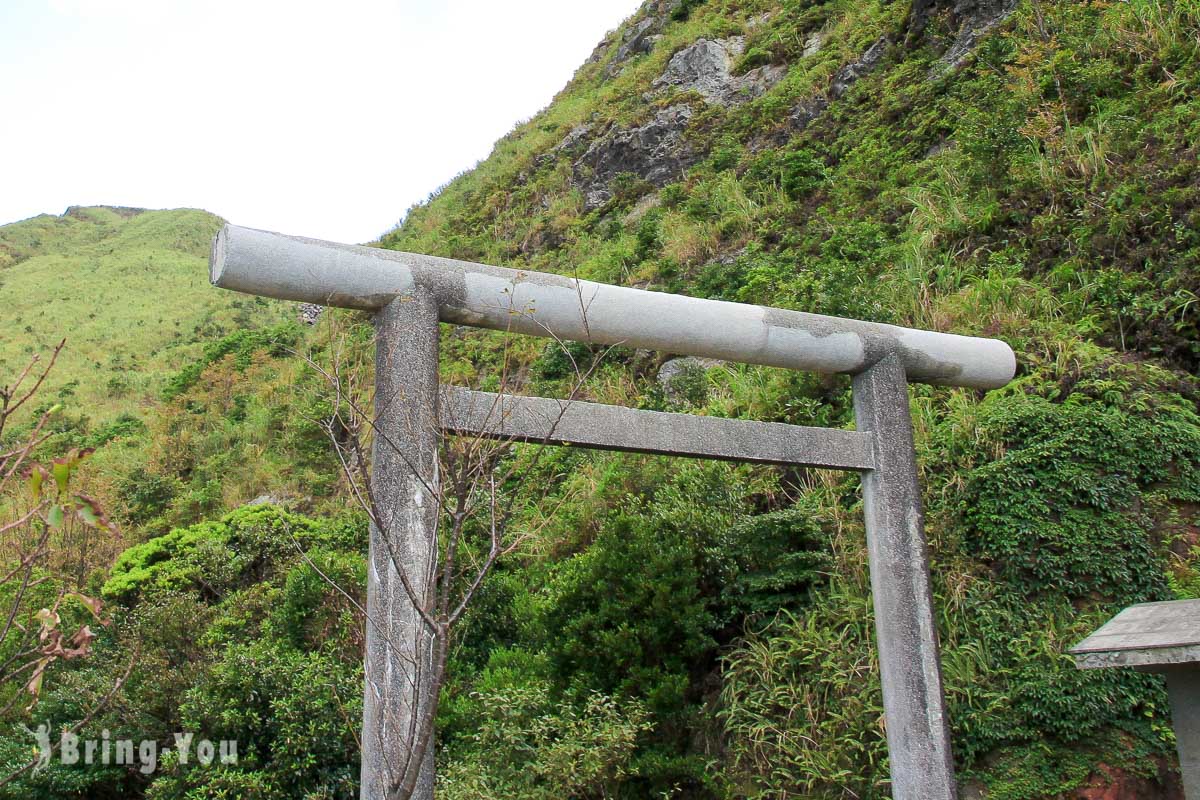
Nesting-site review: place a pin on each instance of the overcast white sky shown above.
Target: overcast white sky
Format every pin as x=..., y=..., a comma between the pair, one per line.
x=325, y=118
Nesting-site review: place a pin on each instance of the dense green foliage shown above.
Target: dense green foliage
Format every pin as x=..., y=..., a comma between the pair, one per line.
x=704, y=631
x=233, y=636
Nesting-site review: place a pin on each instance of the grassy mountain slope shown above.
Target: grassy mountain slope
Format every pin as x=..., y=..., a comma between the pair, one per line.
x=129, y=290
x=1020, y=170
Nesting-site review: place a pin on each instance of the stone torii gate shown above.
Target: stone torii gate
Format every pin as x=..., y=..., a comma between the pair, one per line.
x=409, y=294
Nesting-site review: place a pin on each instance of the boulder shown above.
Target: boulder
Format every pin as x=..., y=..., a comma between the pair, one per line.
x=310, y=313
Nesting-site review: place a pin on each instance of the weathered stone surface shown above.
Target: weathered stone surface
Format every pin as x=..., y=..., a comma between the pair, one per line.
x=810, y=109
x=480, y=295
x=972, y=19
x=703, y=67
x=759, y=21
x=656, y=152
x=918, y=732
x=806, y=112
x=574, y=138
x=604, y=427
x=571, y=145
x=640, y=37
x=404, y=479
x=706, y=68
x=813, y=45
x=1146, y=634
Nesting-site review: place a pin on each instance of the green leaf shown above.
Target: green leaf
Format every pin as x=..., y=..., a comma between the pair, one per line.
x=55, y=518
x=62, y=474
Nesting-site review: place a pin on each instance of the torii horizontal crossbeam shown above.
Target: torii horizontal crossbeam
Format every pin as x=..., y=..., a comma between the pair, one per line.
x=541, y=304
x=595, y=426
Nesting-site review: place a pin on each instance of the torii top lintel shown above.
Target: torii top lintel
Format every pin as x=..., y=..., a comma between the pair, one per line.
x=313, y=271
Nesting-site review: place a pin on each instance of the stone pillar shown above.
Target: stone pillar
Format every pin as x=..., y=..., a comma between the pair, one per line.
x=918, y=732
x=1183, y=688
x=404, y=481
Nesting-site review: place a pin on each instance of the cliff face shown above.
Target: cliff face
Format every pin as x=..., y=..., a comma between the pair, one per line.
x=1023, y=170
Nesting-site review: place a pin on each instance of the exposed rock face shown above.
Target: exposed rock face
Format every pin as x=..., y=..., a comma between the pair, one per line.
x=972, y=19
x=656, y=152
x=813, y=45
x=706, y=68
x=639, y=38
x=574, y=138
x=975, y=19
x=805, y=112
x=848, y=75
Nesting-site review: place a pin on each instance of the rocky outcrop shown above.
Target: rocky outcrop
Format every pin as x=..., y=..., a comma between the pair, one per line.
x=975, y=19
x=972, y=19
x=813, y=45
x=639, y=38
x=572, y=145
x=656, y=152
x=706, y=67
x=849, y=75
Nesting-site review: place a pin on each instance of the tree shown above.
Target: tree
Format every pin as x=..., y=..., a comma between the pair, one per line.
x=477, y=484
x=43, y=517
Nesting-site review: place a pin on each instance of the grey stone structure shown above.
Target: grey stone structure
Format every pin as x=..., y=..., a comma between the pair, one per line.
x=1163, y=638
x=411, y=293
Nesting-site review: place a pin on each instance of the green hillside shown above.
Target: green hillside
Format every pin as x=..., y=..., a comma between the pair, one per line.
x=128, y=289
x=1023, y=170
